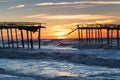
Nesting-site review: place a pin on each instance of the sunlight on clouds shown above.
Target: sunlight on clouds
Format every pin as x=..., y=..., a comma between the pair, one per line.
x=58, y=31
x=60, y=35
x=74, y=17
x=79, y=2
x=18, y=6
x=36, y=16
x=72, y=6
x=83, y=17
x=56, y=3
x=105, y=21
x=104, y=2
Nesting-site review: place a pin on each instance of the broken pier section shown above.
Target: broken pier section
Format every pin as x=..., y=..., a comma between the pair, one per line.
x=17, y=28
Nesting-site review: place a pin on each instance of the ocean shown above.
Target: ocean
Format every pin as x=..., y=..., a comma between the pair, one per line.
x=60, y=60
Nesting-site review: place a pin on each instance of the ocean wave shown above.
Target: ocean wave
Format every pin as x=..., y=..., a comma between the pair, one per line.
x=88, y=59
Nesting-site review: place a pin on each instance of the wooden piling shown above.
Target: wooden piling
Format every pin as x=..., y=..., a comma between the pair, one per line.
x=12, y=41
x=31, y=41
x=86, y=36
x=81, y=34
x=39, y=37
x=111, y=36
x=89, y=34
x=117, y=37
x=27, y=38
x=22, y=38
x=92, y=35
x=101, y=37
x=95, y=36
x=3, y=45
x=108, y=37
x=16, y=37
x=8, y=38
x=78, y=33
x=98, y=36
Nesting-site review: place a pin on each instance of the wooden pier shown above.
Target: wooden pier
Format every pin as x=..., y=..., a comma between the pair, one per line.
x=98, y=34
x=10, y=28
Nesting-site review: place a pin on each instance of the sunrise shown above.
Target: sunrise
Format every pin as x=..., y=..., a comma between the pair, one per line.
x=60, y=13
x=59, y=39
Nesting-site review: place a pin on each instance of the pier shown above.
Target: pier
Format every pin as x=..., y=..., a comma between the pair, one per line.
x=18, y=29
x=98, y=34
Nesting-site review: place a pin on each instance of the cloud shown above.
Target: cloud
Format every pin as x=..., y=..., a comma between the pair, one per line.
x=17, y=6
x=55, y=3
x=72, y=6
x=70, y=17
x=4, y=1
x=7, y=1
x=77, y=2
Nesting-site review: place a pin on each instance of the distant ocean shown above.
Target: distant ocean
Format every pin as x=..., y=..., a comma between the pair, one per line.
x=60, y=60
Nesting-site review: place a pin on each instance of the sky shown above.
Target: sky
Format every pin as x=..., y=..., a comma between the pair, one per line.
x=60, y=16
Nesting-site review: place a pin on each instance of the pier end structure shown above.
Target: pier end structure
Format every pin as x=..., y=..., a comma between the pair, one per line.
x=29, y=27
x=98, y=34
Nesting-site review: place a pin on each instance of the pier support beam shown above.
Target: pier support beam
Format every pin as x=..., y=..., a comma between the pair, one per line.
x=86, y=36
x=111, y=37
x=95, y=36
x=78, y=33
x=89, y=34
x=108, y=37
x=27, y=38
x=118, y=38
x=8, y=38
x=92, y=35
x=16, y=37
x=12, y=41
x=31, y=41
x=3, y=45
x=39, y=38
x=101, y=37
x=81, y=35
x=22, y=39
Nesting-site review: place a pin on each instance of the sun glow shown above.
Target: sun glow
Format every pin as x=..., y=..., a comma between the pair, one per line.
x=61, y=35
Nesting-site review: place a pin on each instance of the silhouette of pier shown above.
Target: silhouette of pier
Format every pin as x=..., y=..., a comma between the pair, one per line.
x=29, y=27
x=98, y=34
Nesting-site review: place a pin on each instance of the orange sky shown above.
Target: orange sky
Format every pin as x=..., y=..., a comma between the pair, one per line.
x=60, y=16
